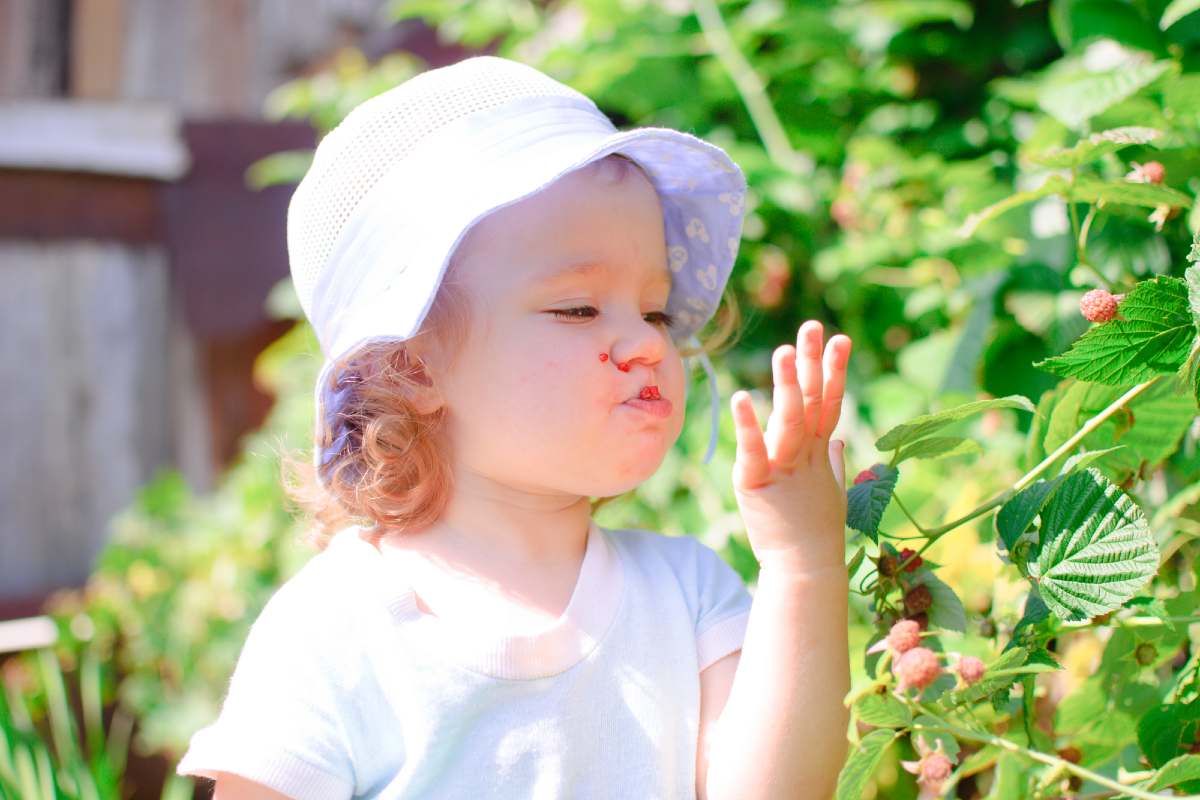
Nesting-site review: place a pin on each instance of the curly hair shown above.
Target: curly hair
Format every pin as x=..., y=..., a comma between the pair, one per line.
x=391, y=469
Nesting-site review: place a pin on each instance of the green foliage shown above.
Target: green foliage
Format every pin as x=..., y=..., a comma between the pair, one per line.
x=941, y=181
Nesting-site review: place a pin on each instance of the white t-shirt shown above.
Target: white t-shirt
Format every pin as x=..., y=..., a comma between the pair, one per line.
x=345, y=688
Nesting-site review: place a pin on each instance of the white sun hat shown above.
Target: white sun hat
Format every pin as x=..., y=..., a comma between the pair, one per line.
x=394, y=188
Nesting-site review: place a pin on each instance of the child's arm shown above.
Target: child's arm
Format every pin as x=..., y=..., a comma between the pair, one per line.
x=782, y=731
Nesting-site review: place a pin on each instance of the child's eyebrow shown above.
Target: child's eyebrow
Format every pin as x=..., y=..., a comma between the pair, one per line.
x=589, y=269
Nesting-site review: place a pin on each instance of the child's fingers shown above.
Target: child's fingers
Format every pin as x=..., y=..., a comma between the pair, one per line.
x=837, y=355
x=751, y=467
x=785, y=428
x=808, y=345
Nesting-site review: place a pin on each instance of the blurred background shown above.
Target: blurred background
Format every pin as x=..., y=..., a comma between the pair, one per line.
x=155, y=362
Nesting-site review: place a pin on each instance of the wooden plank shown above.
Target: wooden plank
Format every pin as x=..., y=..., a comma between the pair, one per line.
x=97, y=48
x=119, y=139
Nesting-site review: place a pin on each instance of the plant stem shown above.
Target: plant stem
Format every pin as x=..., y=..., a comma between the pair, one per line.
x=1037, y=755
x=752, y=90
x=1029, y=477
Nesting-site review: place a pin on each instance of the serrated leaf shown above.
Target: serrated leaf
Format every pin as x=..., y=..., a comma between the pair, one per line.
x=862, y=762
x=1055, y=184
x=1191, y=276
x=1095, y=550
x=1095, y=147
x=1131, y=193
x=1154, y=338
x=946, y=609
x=883, y=711
x=1176, y=771
x=919, y=427
x=1177, y=10
x=939, y=447
x=1074, y=102
x=1015, y=516
x=865, y=502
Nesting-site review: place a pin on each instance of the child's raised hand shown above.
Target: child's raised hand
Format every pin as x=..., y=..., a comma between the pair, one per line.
x=790, y=484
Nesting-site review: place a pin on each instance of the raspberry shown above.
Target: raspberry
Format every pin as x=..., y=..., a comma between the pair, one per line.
x=970, y=669
x=916, y=562
x=931, y=770
x=918, y=599
x=935, y=768
x=1145, y=653
x=1150, y=172
x=865, y=475
x=1099, y=305
x=921, y=619
x=917, y=667
x=887, y=565
x=904, y=636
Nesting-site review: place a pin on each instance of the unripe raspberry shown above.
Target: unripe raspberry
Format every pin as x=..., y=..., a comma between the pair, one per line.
x=1145, y=653
x=918, y=599
x=1150, y=172
x=1099, y=305
x=970, y=669
x=918, y=667
x=916, y=562
x=904, y=636
x=935, y=768
x=865, y=475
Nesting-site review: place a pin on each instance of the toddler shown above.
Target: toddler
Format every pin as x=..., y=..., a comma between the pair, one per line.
x=504, y=287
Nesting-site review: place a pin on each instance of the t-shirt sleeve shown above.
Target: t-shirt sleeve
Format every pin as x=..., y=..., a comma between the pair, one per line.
x=723, y=605
x=279, y=723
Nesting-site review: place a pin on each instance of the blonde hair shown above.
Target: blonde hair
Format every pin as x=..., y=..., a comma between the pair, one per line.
x=393, y=472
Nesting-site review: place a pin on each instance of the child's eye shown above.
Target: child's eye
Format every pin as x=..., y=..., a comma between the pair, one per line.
x=663, y=318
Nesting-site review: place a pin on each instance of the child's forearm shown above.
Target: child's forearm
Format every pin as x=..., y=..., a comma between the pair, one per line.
x=782, y=733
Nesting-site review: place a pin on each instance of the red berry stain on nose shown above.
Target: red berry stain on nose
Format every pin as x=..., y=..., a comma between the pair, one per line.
x=604, y=356
x=623, y=366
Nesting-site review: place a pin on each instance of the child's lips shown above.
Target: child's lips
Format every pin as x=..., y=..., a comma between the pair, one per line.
x=651, y=402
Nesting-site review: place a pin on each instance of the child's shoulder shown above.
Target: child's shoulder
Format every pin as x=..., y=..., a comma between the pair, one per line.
x=676, y=550
x=329, y=589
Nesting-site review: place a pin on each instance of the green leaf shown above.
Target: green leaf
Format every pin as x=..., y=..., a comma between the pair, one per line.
x=1165, y=732
x=1074, y=102
x=1015, y=516
x=855, y=560
x=1095, y=147
x=1055, y=184
x=1177, y=10
x=1148, y=428
x=883, y=711
x=1079, y=461
x=1177, y=770
x=946, y=611
x=862, y=762
x=1095, y=550
x=1130, y=193
x=865, y=502
x=1154, y=338
x=939, y=447
x=919, y=427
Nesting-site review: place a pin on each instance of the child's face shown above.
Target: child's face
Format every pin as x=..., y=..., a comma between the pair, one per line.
x=530, y=402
